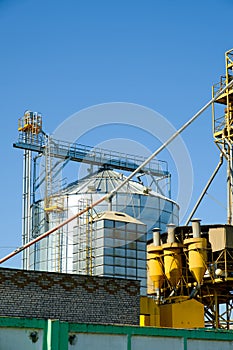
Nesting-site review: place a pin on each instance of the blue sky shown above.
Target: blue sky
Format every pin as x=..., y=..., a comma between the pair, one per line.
x=58, y=57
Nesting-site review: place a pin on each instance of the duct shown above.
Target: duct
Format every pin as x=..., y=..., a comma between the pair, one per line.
x=156, y=236
x=171, y=233
x=196, y=228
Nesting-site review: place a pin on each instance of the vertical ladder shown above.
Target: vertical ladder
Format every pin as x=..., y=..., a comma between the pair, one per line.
x=53, y=206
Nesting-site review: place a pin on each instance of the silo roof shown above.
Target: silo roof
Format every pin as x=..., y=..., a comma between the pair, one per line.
x=106, y=180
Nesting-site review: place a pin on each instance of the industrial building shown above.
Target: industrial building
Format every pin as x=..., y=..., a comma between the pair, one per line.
x=109, y=240
x=109, y=231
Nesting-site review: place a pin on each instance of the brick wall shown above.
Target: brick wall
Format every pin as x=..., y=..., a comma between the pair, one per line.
x=68, y=297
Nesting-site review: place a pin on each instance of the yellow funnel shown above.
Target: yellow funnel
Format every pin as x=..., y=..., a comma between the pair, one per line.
x=155, y=266
x=197, y=257
x=172, y=263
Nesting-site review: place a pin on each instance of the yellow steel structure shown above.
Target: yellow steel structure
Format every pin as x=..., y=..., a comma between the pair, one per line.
x=223, y=124
x=195, y=288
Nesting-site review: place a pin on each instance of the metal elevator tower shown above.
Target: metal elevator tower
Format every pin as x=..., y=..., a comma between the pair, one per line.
x=44, y=159
x=222, y=116
x=30, y=126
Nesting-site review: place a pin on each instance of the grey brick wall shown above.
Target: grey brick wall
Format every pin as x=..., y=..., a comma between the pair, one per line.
x=68, y=297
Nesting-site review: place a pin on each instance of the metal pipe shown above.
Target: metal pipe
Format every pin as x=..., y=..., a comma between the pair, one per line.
x=194, y=291
x=229, y=186
x=229, y=182
x=171, y=233
x=47, y=233
x=216, y=309
x=110, y=204
x=156, y=236
x=222, y=150
x=114, y=191
x=205, y=190
x=196, y=228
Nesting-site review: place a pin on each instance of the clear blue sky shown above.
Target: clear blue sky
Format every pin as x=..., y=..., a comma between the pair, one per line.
x=58, y=57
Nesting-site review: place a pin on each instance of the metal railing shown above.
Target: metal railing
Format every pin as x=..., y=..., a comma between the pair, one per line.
x=91, y=155
x=220, y=85
x=219, y=124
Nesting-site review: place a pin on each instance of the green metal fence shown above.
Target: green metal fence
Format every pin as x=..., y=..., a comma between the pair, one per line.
x=35, y=334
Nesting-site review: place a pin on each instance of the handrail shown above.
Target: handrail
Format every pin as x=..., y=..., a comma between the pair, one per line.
x=89, y=154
